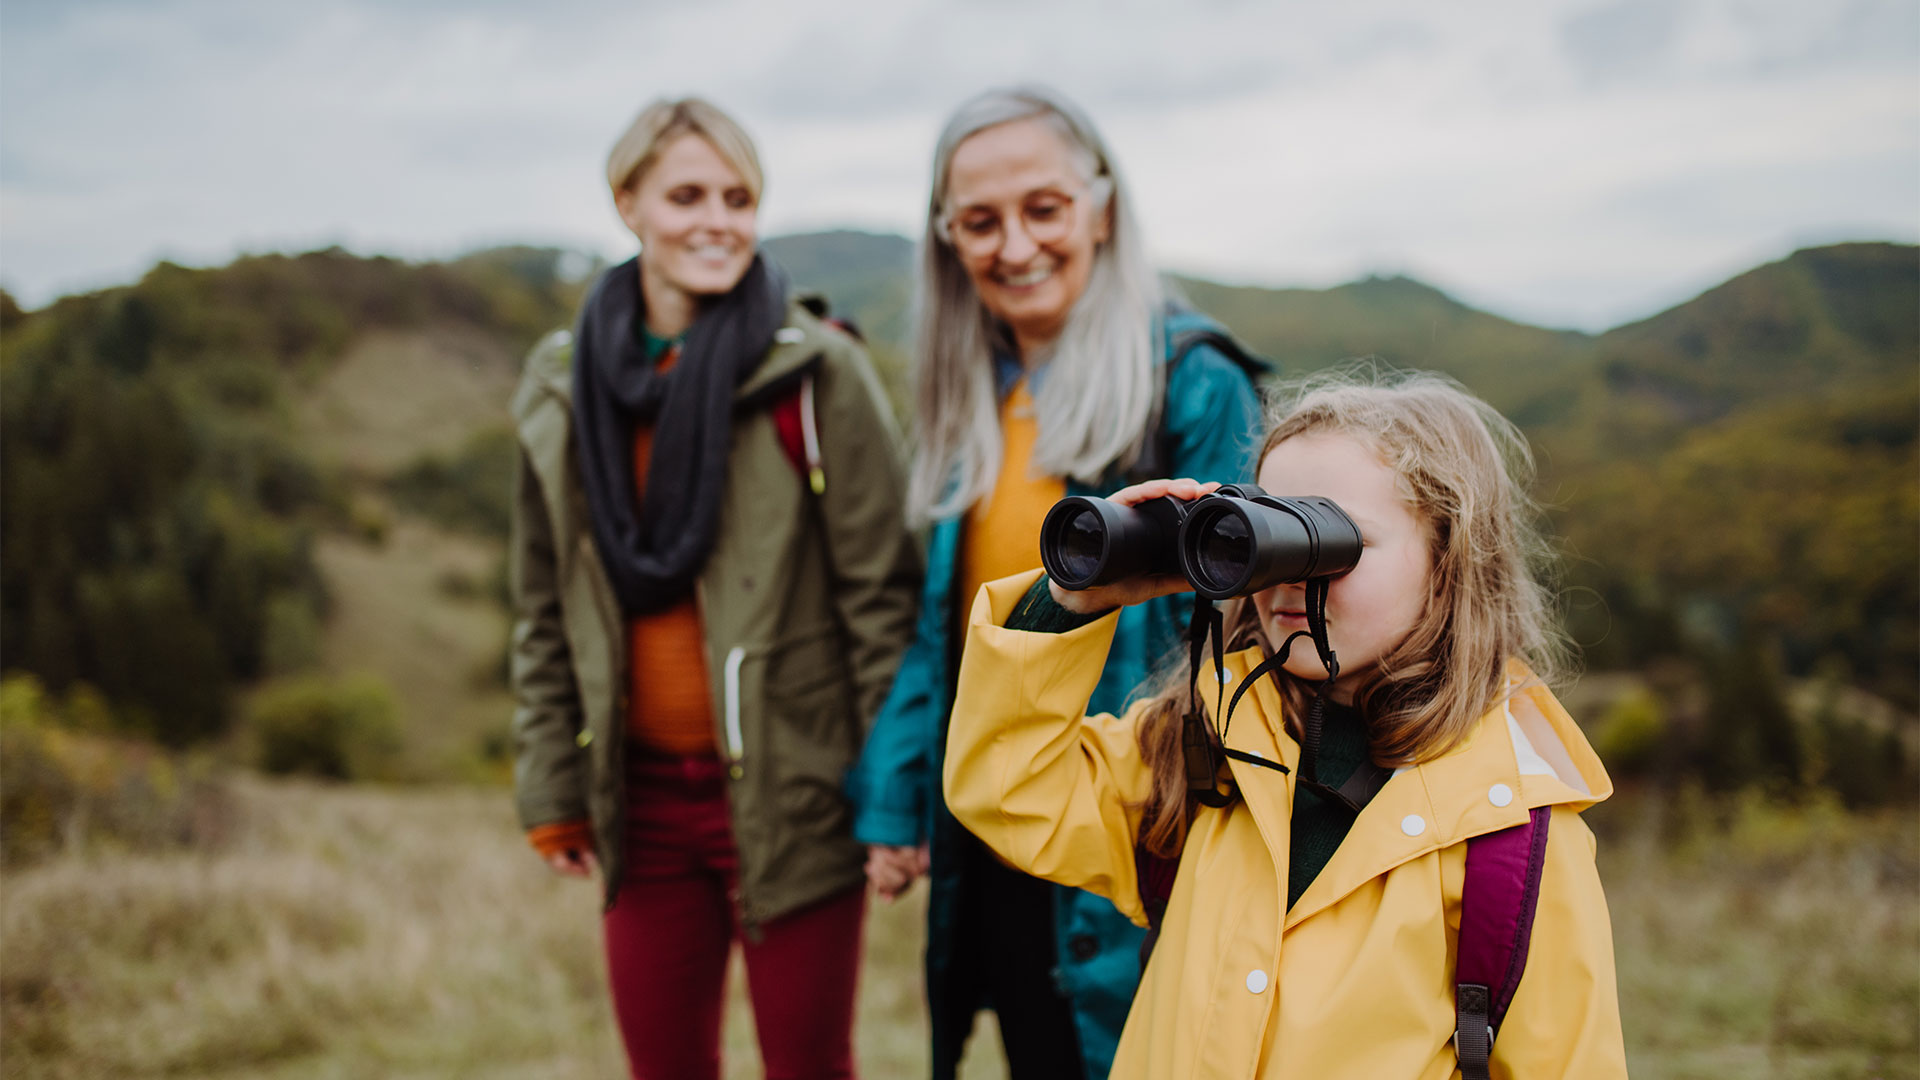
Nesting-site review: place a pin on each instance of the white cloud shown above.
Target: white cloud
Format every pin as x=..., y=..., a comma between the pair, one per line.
x=1571, y=164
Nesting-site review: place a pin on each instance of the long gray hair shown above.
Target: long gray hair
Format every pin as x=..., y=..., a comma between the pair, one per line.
x=1102, y=384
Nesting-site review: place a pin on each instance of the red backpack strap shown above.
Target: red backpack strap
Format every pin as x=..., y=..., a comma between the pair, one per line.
x=797, y=423
x=1497, y=905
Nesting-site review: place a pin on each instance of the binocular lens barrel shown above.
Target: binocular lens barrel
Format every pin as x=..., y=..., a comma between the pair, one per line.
x=1081, y=545
x=1235, y=541
x=1231, y=546
x=1225, y=550
x=1086, y=542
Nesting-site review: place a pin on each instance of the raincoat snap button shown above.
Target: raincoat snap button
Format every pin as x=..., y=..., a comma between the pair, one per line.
x=1499, y=794
x=1413, y=824
x=1083, y=946
x=1256, y=981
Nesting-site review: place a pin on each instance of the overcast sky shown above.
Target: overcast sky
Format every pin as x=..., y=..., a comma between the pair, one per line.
x=1569, y=164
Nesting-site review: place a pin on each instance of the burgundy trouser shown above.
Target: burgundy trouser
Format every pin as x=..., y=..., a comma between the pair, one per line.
x=671, y=931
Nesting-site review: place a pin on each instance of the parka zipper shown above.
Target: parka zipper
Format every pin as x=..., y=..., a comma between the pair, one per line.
x=736, y=748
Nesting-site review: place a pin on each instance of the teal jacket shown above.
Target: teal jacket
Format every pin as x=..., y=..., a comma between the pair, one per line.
x=1212, y=425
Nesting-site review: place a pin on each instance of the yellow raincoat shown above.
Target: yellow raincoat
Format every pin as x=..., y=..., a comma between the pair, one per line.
x=1357, y=980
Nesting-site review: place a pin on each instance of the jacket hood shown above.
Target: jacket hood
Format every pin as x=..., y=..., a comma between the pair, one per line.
x=1526, y=752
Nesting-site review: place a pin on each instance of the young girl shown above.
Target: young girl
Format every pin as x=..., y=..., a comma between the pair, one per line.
x=1303, y=938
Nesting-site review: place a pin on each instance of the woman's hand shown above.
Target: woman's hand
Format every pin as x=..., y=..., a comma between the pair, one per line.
x=573, y=863
x=892, y=869
x=1133, y=590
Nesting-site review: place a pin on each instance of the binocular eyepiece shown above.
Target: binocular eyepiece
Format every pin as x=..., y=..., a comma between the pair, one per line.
x=1234, y=541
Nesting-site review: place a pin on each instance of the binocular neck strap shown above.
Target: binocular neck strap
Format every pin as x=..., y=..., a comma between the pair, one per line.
x=1198, y=745
x=1316, y=631
x=1316, y=709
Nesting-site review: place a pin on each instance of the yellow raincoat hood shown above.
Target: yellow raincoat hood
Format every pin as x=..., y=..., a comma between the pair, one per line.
x=1357, y=979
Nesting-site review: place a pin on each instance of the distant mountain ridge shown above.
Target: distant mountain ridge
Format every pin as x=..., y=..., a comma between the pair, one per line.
x=867, y=276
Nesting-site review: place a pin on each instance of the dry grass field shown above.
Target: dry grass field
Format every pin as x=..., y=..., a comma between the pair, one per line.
x=354, y=932
x=440, y=653
x=363, y=931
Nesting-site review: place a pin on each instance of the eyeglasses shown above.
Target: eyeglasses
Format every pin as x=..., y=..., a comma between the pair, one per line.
x=1047, y=217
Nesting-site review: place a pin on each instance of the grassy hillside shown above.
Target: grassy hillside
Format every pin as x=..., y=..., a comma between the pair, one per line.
x=189, y=462
x=297, y=466
x=1821, y=322
x=1746, y=467
x=1523, y=370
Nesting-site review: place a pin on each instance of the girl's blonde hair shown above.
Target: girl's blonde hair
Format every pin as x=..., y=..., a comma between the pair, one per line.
x=665, y=120
x=1463, y=469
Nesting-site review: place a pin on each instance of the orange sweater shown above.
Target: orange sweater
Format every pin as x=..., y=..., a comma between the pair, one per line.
x=670, y=708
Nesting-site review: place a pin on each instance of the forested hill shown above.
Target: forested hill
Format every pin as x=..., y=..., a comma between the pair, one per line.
x=1735, y=478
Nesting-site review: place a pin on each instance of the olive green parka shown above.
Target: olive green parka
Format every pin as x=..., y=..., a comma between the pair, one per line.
x=807, y=602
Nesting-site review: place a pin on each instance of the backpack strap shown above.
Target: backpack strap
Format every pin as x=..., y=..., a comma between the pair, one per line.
x=1497, y=905
x=795, y=418
x=1156, y=456
x=1156, y=874
x=797, y=423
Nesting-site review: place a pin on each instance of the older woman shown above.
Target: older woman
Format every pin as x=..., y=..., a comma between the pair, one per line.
x=714, y=583
x=1048, y=362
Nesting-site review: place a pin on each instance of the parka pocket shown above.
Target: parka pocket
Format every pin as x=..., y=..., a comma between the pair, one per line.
x=811, y=668
x=812, y=729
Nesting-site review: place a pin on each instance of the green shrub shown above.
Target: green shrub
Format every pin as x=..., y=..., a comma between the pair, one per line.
x=65, y=785
x=344, y=730
x=293, y=634
x=1864, y=766
x=469, y=490
x=1632, y=732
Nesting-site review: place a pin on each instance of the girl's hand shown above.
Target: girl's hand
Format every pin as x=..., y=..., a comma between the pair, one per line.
x=573, y=863
x=1134, y=590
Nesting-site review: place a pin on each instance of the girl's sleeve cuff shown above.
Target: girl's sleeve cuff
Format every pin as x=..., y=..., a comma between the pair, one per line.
x=1038, y=612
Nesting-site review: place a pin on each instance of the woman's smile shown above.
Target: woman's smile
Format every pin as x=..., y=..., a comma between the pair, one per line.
x=1040, y=272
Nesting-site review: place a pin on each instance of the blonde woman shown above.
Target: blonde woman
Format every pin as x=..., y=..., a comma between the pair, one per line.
x=1048, y=361
x=714, y=583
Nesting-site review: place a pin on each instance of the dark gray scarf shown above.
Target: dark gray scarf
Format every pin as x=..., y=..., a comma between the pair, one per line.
x=655, y=545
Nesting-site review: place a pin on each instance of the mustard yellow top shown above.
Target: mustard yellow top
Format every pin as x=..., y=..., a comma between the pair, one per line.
x=1002, y=533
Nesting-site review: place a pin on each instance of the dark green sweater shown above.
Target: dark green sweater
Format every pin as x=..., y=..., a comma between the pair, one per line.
x=1318, y=825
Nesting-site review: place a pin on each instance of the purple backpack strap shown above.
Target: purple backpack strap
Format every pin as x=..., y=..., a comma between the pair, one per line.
x=1496, y=923
x=1156, y=873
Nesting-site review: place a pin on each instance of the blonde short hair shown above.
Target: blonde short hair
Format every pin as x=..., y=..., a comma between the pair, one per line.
x=663, y=121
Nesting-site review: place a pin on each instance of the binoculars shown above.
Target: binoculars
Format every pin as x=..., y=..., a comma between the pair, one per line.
x=1234, y=541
